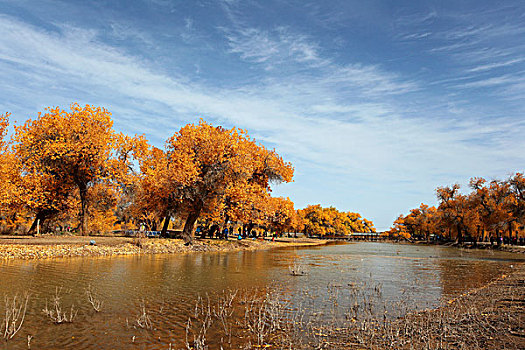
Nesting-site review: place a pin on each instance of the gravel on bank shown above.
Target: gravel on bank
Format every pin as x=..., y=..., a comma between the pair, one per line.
x=72, y=246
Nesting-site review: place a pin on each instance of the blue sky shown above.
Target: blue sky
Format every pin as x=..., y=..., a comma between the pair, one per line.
x=376, y=103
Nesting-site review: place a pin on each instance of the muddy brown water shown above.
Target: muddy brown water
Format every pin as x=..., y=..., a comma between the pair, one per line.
x=419, y=276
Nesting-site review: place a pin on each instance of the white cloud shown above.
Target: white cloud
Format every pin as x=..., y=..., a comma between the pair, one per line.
x=273, y=47
x=371, y=79
x=253, y=45
x=416, y=36
x=481, y=49
x=122, y=31
x=417, y=19
x=490, y=66
x=494, y=81
x=484, y=31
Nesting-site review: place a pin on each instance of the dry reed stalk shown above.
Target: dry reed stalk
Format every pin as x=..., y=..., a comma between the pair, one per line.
x=15, y=312
x=55, y=313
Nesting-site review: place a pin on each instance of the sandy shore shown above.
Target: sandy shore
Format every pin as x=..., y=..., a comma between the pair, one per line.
x=490, y=317
x=26, y=247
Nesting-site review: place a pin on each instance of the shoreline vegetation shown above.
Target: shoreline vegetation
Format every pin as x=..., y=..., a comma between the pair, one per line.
x=493, y=211
x=45, y=246
x=52, y=246
x=463, y=245
x=489, y=317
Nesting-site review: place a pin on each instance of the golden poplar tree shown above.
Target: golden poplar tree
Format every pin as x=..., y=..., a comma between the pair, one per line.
x=67, y=152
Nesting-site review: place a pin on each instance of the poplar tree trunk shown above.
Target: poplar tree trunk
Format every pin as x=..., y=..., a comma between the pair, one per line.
x=83, y=224
x=459, y=238
x=39, y=219
x=164, y=231
x=187, y=233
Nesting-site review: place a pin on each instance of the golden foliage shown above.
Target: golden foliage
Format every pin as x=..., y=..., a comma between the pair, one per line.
x=330, y=221
x=70, y=169
x=63, y=154
x=491, y=210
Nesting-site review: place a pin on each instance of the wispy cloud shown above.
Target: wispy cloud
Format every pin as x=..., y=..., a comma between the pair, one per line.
x=273, y=47
x=416, y=36
x=189, y=33
x=124, y=32
x=372, y=80
x=290, y=53
x=415, y=19
x=484, y=31
x=479, y=49
x=490, y=66
x=495, y=81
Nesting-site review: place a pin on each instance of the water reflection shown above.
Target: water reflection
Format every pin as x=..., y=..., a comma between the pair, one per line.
x=170, y=284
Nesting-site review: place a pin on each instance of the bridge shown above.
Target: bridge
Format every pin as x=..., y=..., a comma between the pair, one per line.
x=358, y=236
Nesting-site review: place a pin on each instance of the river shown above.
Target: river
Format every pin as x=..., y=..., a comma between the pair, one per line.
x=397, y=278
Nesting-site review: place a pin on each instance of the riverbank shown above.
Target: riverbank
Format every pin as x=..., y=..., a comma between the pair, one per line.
x=27, y=247
x=487, y=245
x=490, y=317
x=466, y=245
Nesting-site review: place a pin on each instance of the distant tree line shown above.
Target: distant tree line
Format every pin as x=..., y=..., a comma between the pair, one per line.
x=331, y=222
x=493, y=210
